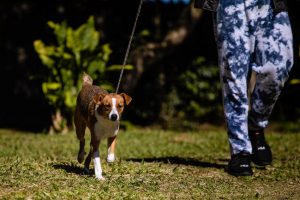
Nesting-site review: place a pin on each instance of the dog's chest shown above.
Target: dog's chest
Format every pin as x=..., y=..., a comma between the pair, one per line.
x=105, y=128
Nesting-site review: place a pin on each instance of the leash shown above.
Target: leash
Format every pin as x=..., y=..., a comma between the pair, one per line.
x=129, y=44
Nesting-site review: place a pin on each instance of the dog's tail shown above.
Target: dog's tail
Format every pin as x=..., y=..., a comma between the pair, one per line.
x=87, y=79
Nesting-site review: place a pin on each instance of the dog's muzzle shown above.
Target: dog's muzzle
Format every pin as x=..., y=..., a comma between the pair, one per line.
x=113, y=117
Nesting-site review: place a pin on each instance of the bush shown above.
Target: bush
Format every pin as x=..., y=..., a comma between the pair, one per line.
x=200, y=86
x=196, y=97
x=75, y=51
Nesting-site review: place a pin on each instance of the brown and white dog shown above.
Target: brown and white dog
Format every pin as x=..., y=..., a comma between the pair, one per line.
x=100, y=111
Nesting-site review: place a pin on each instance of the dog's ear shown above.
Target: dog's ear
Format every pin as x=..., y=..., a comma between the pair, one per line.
x=126, y=98
x=98, y=98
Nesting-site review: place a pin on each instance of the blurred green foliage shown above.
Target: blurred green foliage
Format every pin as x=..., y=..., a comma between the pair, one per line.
x=75, y=51
x=196, y=97
x=295, y=81
x=158, y=92
x=201, y=89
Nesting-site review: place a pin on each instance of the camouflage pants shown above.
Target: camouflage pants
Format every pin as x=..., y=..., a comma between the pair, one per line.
x=250, y=36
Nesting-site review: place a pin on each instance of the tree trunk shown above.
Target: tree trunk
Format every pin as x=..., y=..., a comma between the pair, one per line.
x=145, y=56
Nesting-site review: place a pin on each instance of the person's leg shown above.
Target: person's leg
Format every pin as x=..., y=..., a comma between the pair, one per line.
x=274, y=58
x=235, y=46
x=235, y=42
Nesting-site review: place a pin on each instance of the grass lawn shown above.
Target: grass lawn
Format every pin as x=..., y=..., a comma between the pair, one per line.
x=152, y=164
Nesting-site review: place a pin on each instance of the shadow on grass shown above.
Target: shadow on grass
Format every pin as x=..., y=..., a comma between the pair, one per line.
x=73, y=168
x=180, y=161
x=69, y=168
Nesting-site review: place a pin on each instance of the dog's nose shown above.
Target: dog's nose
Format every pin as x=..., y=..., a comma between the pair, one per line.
x=113, y=117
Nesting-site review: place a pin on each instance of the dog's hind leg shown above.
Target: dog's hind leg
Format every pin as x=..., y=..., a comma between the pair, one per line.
x=80, y=132
x=81, y=152
x=87, y=161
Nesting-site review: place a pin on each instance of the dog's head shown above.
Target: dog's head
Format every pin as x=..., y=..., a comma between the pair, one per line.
x=111, y=105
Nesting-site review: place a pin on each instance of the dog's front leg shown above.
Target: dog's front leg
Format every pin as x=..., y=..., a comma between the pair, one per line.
x=97, y=166
x=97, y=161
x=111, y=143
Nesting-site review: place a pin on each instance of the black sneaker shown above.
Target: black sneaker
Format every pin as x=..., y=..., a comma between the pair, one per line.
x=239, y=165
x=261, y=151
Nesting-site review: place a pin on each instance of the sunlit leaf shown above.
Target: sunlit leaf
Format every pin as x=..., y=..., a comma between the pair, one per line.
x=119, y=67
x=295, y=81
x=60, y=31
x=44, y=52
x=50, y=86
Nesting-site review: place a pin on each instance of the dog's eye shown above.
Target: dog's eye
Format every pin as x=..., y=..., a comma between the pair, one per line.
x=120, y=105
x=107, y=106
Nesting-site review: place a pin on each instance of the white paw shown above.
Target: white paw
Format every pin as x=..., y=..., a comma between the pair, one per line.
x=111, y=158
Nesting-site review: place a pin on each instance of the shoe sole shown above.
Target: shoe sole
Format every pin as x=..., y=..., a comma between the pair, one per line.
x=262, y=164
x=241, y=174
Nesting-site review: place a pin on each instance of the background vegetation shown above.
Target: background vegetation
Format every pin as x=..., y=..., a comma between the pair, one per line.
x=174, y=82
x=173, y=79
